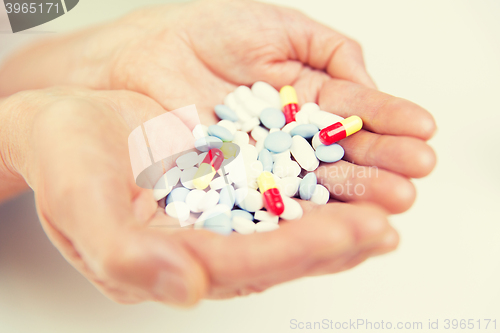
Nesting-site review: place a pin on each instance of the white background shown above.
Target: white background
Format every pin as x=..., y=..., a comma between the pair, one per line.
x=443, y=55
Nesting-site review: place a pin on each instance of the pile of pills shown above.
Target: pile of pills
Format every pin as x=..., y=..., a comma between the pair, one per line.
x=231, y=184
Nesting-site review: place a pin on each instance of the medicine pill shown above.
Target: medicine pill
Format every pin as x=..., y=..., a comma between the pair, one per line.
x=289, y=103
x=208, y=168
x=340, y=130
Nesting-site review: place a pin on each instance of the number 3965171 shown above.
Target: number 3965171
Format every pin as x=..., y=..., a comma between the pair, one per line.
x=32, y=8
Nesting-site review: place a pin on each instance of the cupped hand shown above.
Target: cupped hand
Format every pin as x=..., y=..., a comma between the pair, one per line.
x=198, y=52
x=72, y=149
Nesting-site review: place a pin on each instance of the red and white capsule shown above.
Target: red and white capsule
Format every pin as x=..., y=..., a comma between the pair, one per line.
x=340, y=130
x=272, y=197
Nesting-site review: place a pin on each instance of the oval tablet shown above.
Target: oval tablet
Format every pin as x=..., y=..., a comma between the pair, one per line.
x=278, y=142
x=242, y=225
x=224, y=112
x=272, y=118
x=308, y=186
x=266, y=226
x=292, y=209
x=220, y=224
x=178, y=210
x=330, y=154
x=177, y=194
x=321, y=195
x=220, y=132
x=306, y=131
x=303, y=153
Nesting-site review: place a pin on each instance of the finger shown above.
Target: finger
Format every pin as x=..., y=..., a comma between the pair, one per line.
x=257, y=261
x=127, y=261
x=381, y=113
x=350, y=182
x=407, y=156
x=325, y=49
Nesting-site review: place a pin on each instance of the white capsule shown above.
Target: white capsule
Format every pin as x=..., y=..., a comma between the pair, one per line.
x=259, y=133
x=243, y=226
x=265, y=216
x=250, y=124
x=265, y=226
x=229, y=125
x=187, y=160
x=200, y=131
x=267, y=93
x=187, y=177
x=292, y=209
x=321, y=195
x=303, y=153
x=323, y=119
x=178, y=210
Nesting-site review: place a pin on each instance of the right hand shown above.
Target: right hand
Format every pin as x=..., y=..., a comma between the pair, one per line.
x=70, y=145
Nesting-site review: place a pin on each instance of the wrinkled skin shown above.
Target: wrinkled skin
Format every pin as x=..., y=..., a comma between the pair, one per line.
x=196, y=53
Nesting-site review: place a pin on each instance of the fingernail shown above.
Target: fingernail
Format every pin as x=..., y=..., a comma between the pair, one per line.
x=171, y=288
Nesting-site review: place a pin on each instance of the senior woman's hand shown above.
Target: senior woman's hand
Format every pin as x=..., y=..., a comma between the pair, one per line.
x=71, y=147
x=200, y=51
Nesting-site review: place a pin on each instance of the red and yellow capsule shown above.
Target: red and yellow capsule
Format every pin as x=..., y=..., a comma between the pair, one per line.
x=289, y=102
x=271, y=194
x=340, y=130
x=206, y=172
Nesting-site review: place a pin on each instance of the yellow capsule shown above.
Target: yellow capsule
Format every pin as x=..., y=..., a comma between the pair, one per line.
x=228, y=149
x=288, y=95
x=203, y=176
x=352, y=124
x=266, y=181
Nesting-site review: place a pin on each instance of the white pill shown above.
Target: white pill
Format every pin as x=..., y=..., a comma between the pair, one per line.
x=201, y=157
x=230, y=101
x=254, y=106
x=263, y=215
x=290, y=126
x=321, y=195
x=242, y=225
x=210, y=200
x=255, y=169
x=315, y=141
x=323, y=119
x=302, y=117
x=161, y=188
x=242, y=94
x=289, y=185
x=249, y=153
x=242, y=113
x=250, y=202
x=259, y=145
x=241, y=138
x=250, y=124
x=178, y=210
x=266, y=226
x=304, y=154
x=200, y=131
x=284, y=155
x=309, y=107
x=267, y=93
x=259, y=133
x=187, y=160
x=229, y=125
x=173, y=175
x=218, y=209
x=283, y=168
x=218, y=183
x=194, y=200
x=292, y=211
x=272, y=130
x=187, y=177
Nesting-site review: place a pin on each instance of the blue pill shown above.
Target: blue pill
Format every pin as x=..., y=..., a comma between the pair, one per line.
x=307, y=186
x=220, y=223
x=306, y=131
x=278, y=142
x=225, y=113
x=177, y=194
x=207, y=143
x=266, y=159
x=220, y=132
x=242, y=213
x=329, y=154
x=227, y=196
x=272, y=118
